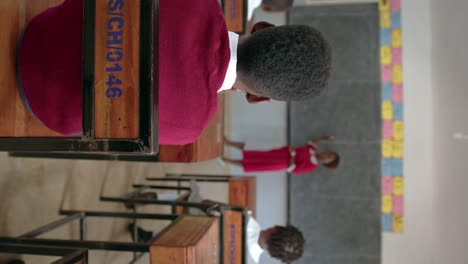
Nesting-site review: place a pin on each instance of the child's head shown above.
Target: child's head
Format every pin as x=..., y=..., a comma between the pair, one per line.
x=285, y=63
x=285, y=243
x=276, y=5
x=330, y=160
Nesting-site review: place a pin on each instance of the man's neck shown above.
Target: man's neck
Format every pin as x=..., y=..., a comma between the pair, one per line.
x=261, y=239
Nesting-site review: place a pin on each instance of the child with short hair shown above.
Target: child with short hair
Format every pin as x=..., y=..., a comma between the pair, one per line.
x=198, y=58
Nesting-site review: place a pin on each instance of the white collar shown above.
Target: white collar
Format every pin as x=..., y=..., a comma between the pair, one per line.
x=313, y=154
x=313, y=159
x=231, y=73
x=253, y=234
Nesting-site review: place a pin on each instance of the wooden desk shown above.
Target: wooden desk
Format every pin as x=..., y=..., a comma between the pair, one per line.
x=235, y=12
x=243, y=192
x=15, y=119
x=111, y=124
x=195, y=239
x=208, y=146
x=234, y=240
x=115, y=127
x=188, y=240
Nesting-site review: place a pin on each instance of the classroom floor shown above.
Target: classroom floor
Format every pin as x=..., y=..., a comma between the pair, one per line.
x=342, y=219
x=31, y=191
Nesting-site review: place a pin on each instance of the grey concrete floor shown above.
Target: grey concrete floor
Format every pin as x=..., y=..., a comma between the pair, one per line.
x=31, y=191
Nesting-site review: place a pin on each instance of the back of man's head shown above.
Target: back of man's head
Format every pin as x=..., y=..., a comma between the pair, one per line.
x=277, y=5
x=286, y=63
x=286, y=243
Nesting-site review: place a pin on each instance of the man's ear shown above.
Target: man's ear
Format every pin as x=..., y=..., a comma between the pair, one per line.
x=259, y=26
x=255, y=99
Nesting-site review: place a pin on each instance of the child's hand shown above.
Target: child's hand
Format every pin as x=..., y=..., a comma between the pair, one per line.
x=330, y=138
x=213, y=210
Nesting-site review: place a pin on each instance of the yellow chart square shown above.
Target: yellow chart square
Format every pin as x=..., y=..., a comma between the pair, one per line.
x=396, y=38
x=385, y=19
x=385, y=55
x=397, y=74
x=398, y=186
x=398, y=130
x=397, y=149
x=387, y=148
x=387, y=203
x=384, y=5
x=397, y=223
x=387, y=110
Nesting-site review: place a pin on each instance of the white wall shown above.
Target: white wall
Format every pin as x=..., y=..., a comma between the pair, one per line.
x=450, y=79
x=415, y=244
x=263, y=126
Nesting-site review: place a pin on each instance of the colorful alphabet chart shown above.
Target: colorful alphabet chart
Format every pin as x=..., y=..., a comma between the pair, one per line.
x=392, y=116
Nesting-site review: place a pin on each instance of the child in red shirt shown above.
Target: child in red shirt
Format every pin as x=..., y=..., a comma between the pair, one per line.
x=198, y=58
x=296, y=160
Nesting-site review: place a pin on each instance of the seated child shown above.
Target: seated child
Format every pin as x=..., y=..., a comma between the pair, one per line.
x=295, y=160
x=285, y=243
x=198, y=58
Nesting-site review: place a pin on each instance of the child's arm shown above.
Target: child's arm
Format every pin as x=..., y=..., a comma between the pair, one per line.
x=213, y=207
x=318, y=140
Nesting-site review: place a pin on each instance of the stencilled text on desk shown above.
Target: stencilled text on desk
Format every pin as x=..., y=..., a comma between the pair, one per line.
x=114, y=48
x=232, y=243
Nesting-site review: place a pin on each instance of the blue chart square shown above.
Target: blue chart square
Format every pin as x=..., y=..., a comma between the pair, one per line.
x=397, y=111
x=396, y=19
x=397, y=167
x=386, y=92
x=387, y=167
x=392, y=167
x=387, y=223
x=385, y=37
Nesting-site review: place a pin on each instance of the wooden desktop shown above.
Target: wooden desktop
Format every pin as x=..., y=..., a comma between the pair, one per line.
x=188, y=240
x=15, y=119
x=197, y=239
